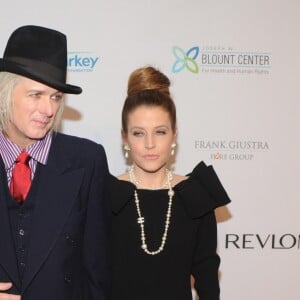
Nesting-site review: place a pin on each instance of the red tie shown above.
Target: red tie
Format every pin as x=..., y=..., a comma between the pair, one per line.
x=21, y=180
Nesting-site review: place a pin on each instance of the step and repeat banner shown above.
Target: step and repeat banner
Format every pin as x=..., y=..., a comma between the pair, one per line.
x=234, y=67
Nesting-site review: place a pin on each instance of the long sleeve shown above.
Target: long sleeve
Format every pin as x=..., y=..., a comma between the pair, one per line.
x=206, y=261
x=97, y=234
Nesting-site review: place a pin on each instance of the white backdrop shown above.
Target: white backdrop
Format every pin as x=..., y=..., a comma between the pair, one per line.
x=239, y=112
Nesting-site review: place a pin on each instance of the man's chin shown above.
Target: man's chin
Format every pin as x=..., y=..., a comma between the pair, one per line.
x=38, y=135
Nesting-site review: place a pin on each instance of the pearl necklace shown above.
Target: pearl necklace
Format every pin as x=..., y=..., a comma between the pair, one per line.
x=141, y=219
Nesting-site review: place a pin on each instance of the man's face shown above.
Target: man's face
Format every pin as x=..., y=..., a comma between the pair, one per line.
x=34, y=108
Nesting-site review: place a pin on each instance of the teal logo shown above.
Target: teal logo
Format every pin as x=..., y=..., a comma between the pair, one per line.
x=220, y=59
x=82, y=61
x=185, y=60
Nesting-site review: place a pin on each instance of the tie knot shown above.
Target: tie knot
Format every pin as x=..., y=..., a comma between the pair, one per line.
x=23, y=158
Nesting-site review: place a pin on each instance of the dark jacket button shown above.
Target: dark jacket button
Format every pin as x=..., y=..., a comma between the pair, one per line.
x=68, y=278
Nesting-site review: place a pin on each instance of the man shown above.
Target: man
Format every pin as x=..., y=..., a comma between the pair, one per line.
x=54, y=209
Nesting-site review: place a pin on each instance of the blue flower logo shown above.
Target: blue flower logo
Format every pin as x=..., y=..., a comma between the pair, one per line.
x=185, y=60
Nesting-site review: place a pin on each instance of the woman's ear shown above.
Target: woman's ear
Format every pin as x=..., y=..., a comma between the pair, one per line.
x=175, y=135
x=126, y=147
x=124, y=136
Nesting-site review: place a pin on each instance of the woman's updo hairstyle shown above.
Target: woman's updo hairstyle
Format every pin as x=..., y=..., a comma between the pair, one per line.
x=148, y=86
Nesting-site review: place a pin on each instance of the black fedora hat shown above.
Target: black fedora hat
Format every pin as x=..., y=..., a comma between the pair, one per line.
x=40, y=54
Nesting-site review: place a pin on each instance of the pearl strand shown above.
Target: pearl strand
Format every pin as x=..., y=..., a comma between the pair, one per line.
x=137, y=183
x=141, y=220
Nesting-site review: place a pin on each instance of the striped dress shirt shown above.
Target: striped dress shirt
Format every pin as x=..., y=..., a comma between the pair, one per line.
x=38, y=152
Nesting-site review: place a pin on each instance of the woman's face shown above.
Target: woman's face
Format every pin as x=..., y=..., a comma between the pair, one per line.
x=149, y=137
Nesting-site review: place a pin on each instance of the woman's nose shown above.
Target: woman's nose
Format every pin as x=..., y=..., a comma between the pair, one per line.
x=150, y=142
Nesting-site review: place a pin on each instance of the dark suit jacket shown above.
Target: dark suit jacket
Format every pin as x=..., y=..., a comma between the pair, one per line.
x=69, y=240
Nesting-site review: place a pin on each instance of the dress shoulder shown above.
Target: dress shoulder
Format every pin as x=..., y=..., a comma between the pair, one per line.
x=120, y=192
x=202, y=191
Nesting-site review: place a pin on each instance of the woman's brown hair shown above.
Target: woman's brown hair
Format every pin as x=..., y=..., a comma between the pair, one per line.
x=148, y=86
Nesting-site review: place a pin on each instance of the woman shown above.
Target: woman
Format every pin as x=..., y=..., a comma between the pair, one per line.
x=164, y=227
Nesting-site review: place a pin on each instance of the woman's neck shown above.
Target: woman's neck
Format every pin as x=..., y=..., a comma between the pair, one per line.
x=149, y=180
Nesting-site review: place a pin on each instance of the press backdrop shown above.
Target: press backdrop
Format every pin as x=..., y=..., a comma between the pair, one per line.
x=234, y=67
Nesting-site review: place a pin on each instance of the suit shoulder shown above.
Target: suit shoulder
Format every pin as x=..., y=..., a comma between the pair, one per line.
x=76, y=144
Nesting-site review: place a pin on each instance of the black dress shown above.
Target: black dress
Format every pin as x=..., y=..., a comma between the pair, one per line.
x=191, y=241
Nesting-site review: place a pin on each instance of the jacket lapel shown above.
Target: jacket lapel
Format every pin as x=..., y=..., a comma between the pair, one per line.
x=8, y=259
x=58, y=184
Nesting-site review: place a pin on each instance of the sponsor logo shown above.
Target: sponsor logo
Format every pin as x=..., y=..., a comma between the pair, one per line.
x=219, y=59
x=250, y=241
x=82, y=61
x=231, y=149
x=185, y=60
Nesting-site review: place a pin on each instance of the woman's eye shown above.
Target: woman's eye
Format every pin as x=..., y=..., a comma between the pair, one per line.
x=161, y=132
x=137, y=133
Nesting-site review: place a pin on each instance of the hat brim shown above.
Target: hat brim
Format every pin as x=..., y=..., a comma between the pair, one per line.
x=12, y=67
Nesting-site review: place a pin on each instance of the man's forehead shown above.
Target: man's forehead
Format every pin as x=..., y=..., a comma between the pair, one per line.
x=30, y=84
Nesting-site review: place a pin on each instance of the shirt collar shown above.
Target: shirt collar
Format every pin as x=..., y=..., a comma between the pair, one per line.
x=38, y=151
